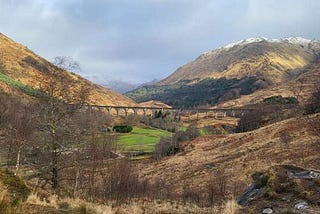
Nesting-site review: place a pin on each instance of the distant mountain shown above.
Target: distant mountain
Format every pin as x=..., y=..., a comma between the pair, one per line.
x=120, y=86
x=237, y=69
x=22, y=72
x=152, y=82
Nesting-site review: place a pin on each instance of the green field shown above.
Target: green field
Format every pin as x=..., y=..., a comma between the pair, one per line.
x=141, y=139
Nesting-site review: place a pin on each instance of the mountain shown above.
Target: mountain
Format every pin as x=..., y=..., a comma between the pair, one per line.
x=232, y=71
x=276, y=60
x=22, y=72
x=120, y=86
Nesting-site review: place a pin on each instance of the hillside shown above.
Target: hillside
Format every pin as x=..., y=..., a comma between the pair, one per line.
x=233, y=71
x=302, y=86
x=239, y=155
x=22, y=72
x=274, y=60
x=153, y=103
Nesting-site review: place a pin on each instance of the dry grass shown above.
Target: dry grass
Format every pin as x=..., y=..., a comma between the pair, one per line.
x=135, y=207
x=154, y=103
x=14, y=57
x=268, y=59
x=306, y=81
x=240, y=155
x=230, y=207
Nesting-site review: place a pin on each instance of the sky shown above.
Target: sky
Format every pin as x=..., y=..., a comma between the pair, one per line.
x=137, y=41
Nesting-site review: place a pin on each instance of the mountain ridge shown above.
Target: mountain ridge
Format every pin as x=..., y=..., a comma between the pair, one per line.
x=23, y=66
x=237, y=69
x=211, y=63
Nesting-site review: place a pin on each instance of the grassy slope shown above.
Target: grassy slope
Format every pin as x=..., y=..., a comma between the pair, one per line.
x=240, y=155
x=306, y=81
x=17, y=84
x=275, y=61
x=141, y=139
x=23, y=66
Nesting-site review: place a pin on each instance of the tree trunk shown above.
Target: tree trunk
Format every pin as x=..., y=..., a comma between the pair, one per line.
x=18, y=160
x=54, y=178
x=76, y=183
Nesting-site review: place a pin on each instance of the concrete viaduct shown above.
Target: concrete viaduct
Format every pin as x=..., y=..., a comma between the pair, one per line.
x=135, y=110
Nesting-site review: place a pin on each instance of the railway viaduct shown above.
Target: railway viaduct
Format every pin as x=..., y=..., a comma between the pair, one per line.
x=151, y=111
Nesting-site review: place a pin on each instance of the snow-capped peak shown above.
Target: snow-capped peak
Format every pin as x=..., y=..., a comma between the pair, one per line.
x=291, y=40
x=296, y=40
x=245, y=41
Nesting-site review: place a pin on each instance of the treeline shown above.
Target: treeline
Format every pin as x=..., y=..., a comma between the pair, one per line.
x=207, y=91
x=277, y=108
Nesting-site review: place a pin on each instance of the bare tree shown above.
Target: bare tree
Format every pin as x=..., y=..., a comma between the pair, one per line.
x=62, y=99
x=67, y=63
x=17, y=127
x=285, y=139
x=313, y=104
x=20, y=130
x=250, y=121
x=217, y=187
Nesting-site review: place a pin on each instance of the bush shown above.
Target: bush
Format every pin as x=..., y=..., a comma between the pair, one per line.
x=17, y=190
x=250, y=121
x=192, y=132
x=122, y=128
x=166, y=147
x=280, y=100
x=313, y=104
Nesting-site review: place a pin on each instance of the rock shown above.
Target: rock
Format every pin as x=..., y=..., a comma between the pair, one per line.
x=267, y=210
x=208, y=166
x=251, y=193
x=301, y=205
x=303, y=174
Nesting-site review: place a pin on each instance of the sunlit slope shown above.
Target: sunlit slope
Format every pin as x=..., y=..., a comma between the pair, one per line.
x=301, y=87
x=275, y=61
x=239, y=155
x=19, y=64
x=234, y=71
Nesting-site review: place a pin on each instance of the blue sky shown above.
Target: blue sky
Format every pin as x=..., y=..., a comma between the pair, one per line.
x=140, y=40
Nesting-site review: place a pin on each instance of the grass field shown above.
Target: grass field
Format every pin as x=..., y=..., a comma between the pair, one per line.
x=141, y=139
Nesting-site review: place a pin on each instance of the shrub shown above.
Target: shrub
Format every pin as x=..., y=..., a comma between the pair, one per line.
x=280, y=100
x=17, y=190
x=250, y=121
x=166, y=147
x=122, y=128
x=313, y=104
x=192, y=132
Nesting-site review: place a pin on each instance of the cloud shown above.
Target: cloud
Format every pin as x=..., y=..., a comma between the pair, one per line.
x=146, y=39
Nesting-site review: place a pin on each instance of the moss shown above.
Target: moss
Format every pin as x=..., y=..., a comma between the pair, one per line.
x=18, y=191
x=280, y=100
x=260, y=180
x=11, y=82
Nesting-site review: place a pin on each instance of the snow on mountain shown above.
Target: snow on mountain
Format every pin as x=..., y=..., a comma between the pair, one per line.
x=245, y=42
x=291, y=40
x=296, y=40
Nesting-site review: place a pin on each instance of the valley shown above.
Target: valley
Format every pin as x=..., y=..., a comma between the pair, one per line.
x=234, y=131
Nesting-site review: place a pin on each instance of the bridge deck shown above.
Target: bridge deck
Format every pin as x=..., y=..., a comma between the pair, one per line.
x=172, y=109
